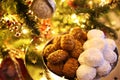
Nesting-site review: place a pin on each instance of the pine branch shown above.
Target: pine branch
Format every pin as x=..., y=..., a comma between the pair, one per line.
x=32, y=24
x=83, y=10
x=3, y=51
x=81, y=3
x=118, y=4
x=100, y=10
x=105, y=28
x=96, y=12
x=22, y=10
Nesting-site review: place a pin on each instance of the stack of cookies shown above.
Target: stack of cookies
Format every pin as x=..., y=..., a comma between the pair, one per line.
x=80, y=54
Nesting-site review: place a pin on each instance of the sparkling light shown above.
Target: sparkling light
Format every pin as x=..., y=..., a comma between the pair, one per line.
x=40, y=47
x=73, y=16
x=31, y=12
x=10, y=17
x=25, y=31
x=75, y=19
x=90, y=3
x=113, y=22
x=104, y=2
x=62, y=0
x=1, y=60
x=53, y=32
x=82, y=26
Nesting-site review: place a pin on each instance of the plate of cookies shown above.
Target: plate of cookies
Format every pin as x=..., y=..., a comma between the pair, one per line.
x=80, y=55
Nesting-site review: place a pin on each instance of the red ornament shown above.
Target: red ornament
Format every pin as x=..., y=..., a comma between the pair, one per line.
x=71, y=3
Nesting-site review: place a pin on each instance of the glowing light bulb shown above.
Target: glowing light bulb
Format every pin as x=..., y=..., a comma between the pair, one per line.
x=10, y=17
x=25, y=31
x=82, y=26
x=53, y=32
x=75, y=19
x=73, y=16
x=113, y=22
x=104, y=2
x=90, y=3
x=39, y=47
x=62, y=0
x=1, y=60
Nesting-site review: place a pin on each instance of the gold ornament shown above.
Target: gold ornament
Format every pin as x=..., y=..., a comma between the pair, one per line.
x=43, y=8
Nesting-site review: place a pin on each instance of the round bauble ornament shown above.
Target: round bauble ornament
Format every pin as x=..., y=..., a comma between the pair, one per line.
x=43, y=8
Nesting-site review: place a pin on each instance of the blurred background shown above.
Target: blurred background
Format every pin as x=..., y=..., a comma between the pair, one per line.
x=26, y=27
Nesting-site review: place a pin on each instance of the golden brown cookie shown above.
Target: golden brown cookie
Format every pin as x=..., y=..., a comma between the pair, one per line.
x=78, y=33
x=56, y=68
x=48, y=50
x=70, y=67
x=67, y=42
x=77, y=50
x=57, y=56
x=56, y=42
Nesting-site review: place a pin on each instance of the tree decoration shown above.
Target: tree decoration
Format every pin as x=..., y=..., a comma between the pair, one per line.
x=43, y=8
x=23, y=10
x=45, y=28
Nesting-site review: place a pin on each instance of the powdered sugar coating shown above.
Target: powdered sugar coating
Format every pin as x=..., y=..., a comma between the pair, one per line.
x=98, y=43
x=111, y=43
x=85, y=72
x=104, y=69
x=110, y=55
x=92, y=57
x=95, y=33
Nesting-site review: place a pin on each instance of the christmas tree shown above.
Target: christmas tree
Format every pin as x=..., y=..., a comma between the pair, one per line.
x=26, y=25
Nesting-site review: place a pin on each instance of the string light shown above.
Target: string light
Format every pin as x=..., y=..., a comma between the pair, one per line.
x=90, y=3
x=104, y=2
x=25, y=31
x=73, y=16
x=10, y=17
x=61, y=2
x=75, y=19
x=82, y=26
x=113, y=22
x=1, y=60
